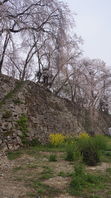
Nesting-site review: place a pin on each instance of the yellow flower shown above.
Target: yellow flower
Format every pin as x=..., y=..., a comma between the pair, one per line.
x=84, y=135
x=56, y=138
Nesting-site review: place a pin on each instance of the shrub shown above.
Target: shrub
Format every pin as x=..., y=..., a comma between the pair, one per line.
x=101, y=142
x=52, y=158
x=56, y=139
x=69, y=156
x=72, y=152
x=69, y=152
x=23, y=122
x=89, y=150
x=91, y=147
x=79, y=169
x=23, y=125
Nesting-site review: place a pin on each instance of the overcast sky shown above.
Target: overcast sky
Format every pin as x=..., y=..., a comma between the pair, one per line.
x=93, y=23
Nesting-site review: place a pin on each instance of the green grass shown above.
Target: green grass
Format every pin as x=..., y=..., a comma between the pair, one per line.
x=36, y=147
x=89, y=185
x=52, y=158
x=95, y=196
x=32, y=166
x=33, y=151
x=16, y=169
x=42, y=189
x=64, y=174
x=47, y=173
x=106, y=156
x=14, y=155
x=108, y=170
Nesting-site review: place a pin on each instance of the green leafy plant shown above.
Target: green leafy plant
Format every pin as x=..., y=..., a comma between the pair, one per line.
x=52, y=158
x=22, y=122
x=77, y=181
x=82, y=181
x=72, y=152
x=89, y=151
x=101, y=142
x=23, y=125
x=47, y=173
x=91, y=147
x=14, y=155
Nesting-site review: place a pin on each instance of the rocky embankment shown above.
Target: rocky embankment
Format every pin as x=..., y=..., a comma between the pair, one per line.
x=29, y=111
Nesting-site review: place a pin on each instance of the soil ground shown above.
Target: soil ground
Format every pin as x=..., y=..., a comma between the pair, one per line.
x=31, y=174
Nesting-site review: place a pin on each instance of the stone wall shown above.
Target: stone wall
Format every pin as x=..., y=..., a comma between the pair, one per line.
x=29, y=111
x=44, y=113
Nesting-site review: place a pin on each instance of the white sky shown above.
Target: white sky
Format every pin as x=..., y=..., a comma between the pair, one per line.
x=93, y=24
